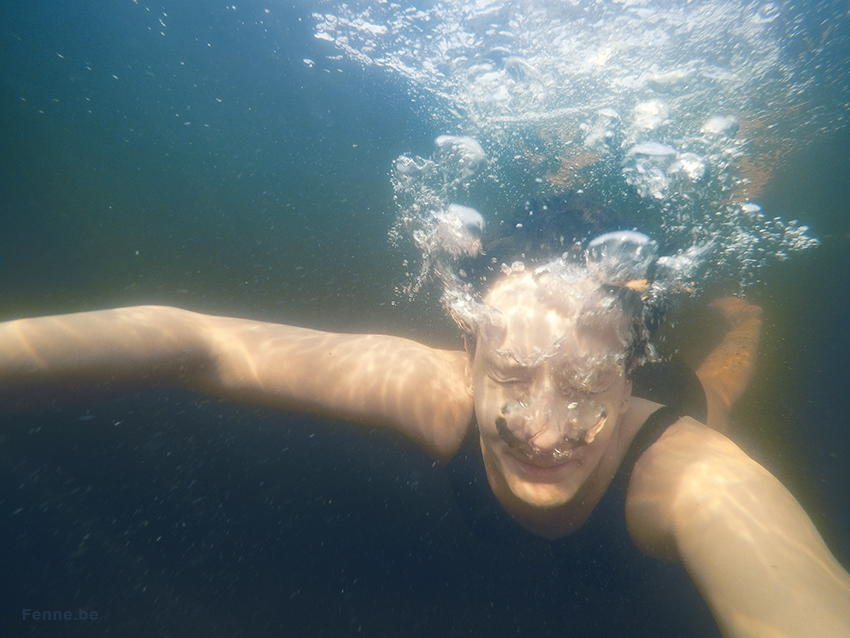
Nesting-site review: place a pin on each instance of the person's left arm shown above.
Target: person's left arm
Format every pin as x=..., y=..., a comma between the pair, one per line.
x=747, y=544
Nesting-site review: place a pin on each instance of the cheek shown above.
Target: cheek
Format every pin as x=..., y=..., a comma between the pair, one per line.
x=486, y=408
x=489, y=400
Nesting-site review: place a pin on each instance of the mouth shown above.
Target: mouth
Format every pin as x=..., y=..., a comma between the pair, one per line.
x=528, y=458
x=543, y=467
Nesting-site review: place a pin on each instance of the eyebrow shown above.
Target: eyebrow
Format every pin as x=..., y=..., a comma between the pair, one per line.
x=505, y=361
x=532, y=360
x=596, y=378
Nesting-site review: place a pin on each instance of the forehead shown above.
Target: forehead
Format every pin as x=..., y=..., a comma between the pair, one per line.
x=534, y=317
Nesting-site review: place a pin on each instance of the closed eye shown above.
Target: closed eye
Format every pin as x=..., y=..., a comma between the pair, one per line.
x=508, y=376
x=588, y=387
x=506, y=380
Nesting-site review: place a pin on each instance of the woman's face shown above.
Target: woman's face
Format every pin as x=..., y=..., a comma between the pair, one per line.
x=549, y=390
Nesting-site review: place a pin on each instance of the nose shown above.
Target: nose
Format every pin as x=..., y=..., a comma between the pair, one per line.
x=535, y=424
x=546, y=426
x=548, y=442
x=547, y=421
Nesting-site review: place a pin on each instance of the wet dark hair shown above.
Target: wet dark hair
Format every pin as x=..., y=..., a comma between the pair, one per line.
x=544, y=228
x=638, y=349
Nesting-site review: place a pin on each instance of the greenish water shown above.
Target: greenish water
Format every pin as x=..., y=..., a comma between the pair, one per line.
x=188, y=155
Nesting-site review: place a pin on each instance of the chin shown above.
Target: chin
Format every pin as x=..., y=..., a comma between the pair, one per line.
x=540, y=495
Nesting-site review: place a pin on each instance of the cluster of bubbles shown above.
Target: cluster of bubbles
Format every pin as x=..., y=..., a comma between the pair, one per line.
x=527, y=59
x=449, y=236
x=663, y=108
x=443, y=231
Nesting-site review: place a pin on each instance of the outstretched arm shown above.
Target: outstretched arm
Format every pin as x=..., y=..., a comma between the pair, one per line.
x=747, y=544
x=417, y=390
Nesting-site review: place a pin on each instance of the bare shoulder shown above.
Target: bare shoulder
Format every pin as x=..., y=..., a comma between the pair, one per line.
x=453, y=404
x=690, y=462
x=684, y=442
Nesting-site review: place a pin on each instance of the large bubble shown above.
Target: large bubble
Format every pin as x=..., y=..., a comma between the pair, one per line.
x=621, y=257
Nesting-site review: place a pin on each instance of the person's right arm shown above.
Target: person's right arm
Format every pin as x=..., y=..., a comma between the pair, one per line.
x=377, y=379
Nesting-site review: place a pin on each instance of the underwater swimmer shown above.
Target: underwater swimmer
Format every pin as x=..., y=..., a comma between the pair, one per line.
x=547, y=378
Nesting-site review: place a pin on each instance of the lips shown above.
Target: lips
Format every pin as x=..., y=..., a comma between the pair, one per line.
x=542, y=467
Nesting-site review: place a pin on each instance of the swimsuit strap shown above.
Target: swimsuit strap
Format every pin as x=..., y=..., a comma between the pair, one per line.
x=649, y=433
x=672, y=384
